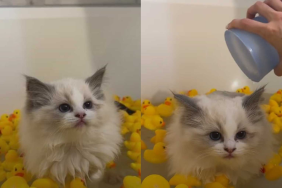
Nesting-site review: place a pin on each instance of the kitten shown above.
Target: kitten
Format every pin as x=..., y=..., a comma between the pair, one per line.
x=69, y=127
x=221, y=133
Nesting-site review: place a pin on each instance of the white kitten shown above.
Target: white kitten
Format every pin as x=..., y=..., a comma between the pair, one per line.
x=219, y=133
x=69, y=127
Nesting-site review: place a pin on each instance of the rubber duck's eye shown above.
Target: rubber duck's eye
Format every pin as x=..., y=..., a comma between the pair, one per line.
x=87, y=105
x=127, y=97
x=170, y=99
x=64, y=108
x=16, y=112
x=161, y=122
x=164, y=147
x=241, y=135
x=143, y=102
x=148, y=102
x=6, y=116
x=215, y=136
x=16, y=169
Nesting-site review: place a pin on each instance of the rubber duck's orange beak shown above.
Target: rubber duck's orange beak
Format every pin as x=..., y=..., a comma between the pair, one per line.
x=163, y=124
x=139, y=173
x=280, y=115
x=12, y=116
x=279, y=92
x=123, y=99
x=20, y=174
x=145, y=106
x=168, y=103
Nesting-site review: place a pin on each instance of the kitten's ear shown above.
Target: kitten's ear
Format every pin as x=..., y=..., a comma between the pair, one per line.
x=95, y=82
x=187, y=102
x=251, y=104
x=38, y=93
x=253, y=100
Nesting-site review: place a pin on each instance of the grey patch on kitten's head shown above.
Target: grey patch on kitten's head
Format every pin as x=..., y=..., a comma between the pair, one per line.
x=193, y=113
x=95, y=82
x=251, y=104
x=38, y=93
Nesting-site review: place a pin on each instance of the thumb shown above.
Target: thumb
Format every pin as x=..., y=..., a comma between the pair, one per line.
x=278, y=69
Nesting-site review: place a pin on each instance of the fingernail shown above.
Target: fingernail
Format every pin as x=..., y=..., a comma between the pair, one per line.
x=227, y=27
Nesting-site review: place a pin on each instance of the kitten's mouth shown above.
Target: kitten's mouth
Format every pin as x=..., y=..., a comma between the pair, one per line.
x=81, y=123
x=229, y=156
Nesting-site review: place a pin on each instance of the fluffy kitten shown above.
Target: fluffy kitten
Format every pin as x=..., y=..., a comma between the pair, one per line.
x=219, y=133
x=69, y=127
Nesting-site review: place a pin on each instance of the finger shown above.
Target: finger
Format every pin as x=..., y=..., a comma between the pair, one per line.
x=278, y=69
x=248, y=25
x=262, y=9
x=274, y=4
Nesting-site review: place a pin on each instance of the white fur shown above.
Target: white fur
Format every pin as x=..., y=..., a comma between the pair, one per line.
x=191, y=151
x=60, y=149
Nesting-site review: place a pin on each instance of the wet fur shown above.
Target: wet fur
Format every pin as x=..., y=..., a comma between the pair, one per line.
x=191, y=151
x=50, y=142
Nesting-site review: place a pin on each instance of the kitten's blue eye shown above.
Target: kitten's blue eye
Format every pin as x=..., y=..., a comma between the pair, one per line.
x=241, y=135
x=215, y=136
x=64, y=108
x=87, y=105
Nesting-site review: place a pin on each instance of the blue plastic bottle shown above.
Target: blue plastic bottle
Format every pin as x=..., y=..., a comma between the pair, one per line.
x=254, y=55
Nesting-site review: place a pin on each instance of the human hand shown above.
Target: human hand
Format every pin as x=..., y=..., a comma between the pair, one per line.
x=271, y=31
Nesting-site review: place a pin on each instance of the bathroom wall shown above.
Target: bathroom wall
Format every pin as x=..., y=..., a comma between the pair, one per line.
x=183, y=47
x=54, y=43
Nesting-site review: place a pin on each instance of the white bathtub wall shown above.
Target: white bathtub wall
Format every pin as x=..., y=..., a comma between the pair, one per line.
x=53, y=43
x=183, y=47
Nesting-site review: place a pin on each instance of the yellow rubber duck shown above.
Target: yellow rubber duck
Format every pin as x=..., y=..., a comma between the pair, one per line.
x=239, y=91
x=156, y=122
x=15, y=115
x=211, y=91
x=124, y=130
x=136, y=105
x=137, y=165
x=145, y=104
x=159, y=136
x=136, y=127
x=192, y=93
x=273, y=103
x=149, y=112
x=15, y=182
x=131, y=182
x=143, y=145
x=134, y=139
x=4, y=148
x=45, y=183
x=7, y=132
x=154, y=181
x=11, y=158
x=274, y=173
x=133, y=155
x=190, y=181
x=127, y=101
x=157, y=155
x=4, y=121
x=77, y=183
x=246, y=90
x=19, y=170
x=223, y=180
x=166, y=109
x=14, y=142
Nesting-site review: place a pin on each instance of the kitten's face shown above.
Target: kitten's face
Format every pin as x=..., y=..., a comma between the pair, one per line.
x=67, y=104
x=223, y=126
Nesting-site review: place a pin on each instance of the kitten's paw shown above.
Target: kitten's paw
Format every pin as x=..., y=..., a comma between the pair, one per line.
x=96, y=176
x=112, y=177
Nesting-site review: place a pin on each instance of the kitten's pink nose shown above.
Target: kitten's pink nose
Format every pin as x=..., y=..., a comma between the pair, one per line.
x=230, y=150
x=80, y=115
